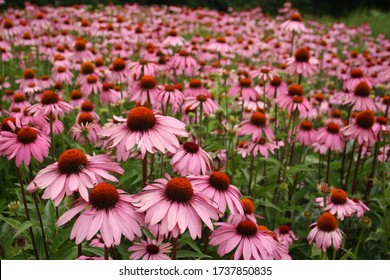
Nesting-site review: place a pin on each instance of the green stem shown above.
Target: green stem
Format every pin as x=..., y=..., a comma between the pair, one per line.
x=358, y=243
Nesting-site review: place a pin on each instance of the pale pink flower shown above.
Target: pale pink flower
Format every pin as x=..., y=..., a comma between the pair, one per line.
x=255, y=126
x=74, y=172
x=244, y=237
x=141, y=68
x=23, y=143
x=51, y=103
x=218, y=188
x=301, y=63
x=362, y=128
x=338, y=204
x=329, y=137
x=295, y=23
x=285, y=235
x=262, y=147
x=108, y=211
x=325, y=232
x=361, y=207
x=360, y=98
x=190, y=159
x=176, y=206
x=151, y=132
x=220, y=46
x=150, y=249
x=357, y=76
x=245, y=89
x=209, y=106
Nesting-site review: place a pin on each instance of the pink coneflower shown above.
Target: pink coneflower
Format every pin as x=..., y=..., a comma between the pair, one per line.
x=209, y=106
x=285, y=235
x=173, y=39
x=33, y=91
x=295, y=100
x=51, y=103
x=217, y=186
x=170, y=94
x=151, y=132
x=326, y=232
x=220, y=46
x=306, y=134
x=81, y=52
x=46, y=82
x=9, y=29
x=150, y=249
x=91, y=85
x=357, y=76
x=295, y=23
x=301, y=63
x=63, y=74
x=361, y=207
x=28, y=78
x=19, y=101
x=109, y=95
x=76, y=98
x=190, y=159
x=329, y=137
x=281, y=249
x=74, y=171
x=145, y=91
x=176, y=205
x=243, y=236
x=255, y=126
x=381, y=125
x=338, y=204
x=119, y=73
x=85, y=127
x=276, y=87
x=262, y=147
x=108, y=211
x=196, y=88
x=57, y=126
x=141, y=68
x=23, y=143
x=245, y=88
x=360, y=98
x=88, y=107
x=265, y=73
x=362, y=128
x=183, y=63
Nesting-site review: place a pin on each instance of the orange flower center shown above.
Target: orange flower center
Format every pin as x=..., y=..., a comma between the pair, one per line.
x=338, y=196
x=76, y=94
x=170, y=88
x=302, y=55
x=219, y=180
x=307, y=125
x=179, y=190
x=258, y=119
x=195, y=83
x=327, y=222
x=245, y=82
x=141, y=119
x=296, y=17
x=148, y=82
x=85, y=118
x=118, y=64
x=72, y=161
x=87, y=106
x=104, y=196
x=336, y=114
x=319, y=97
x=49, y=97
x=284, y=229
x=27, y=135
x=19, y=97
x=8, y=23
x=80, y=45
x=221, y=40
x=152, y=249
x=87, y=68
x=276, y=81
x=4, y=123
x=191, y=147
x=333, y=128
x=297, y=99
x=28, y=74
x=92, y=79
x=295, y=89
x=382, y=120
x=356, y=73
x=61, y=69
x=247, y=228
x=201, y=97
x=362, y=89
x=365, y=119
x=248, y=206
x=172, y=33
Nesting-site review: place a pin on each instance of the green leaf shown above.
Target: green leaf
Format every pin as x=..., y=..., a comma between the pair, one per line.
x=25, y=226
x=186, y=239
x=267, y=204
x=11, y=222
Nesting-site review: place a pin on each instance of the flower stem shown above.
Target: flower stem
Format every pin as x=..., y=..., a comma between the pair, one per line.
x=354, y=184
x=144, y=170
x=27, y=213
x=328, y=166
x=105, y=252
x=359, y=241
x=350, y=165
x=344, y=151
x=200, y=123
x=370, y=181
x=42, y=227
x=251, y=173
x=175, y=247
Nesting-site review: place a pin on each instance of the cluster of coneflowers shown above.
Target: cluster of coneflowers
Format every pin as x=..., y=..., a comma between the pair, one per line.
x=159, y=93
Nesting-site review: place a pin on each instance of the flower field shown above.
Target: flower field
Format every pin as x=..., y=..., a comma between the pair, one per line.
x=165, y=132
